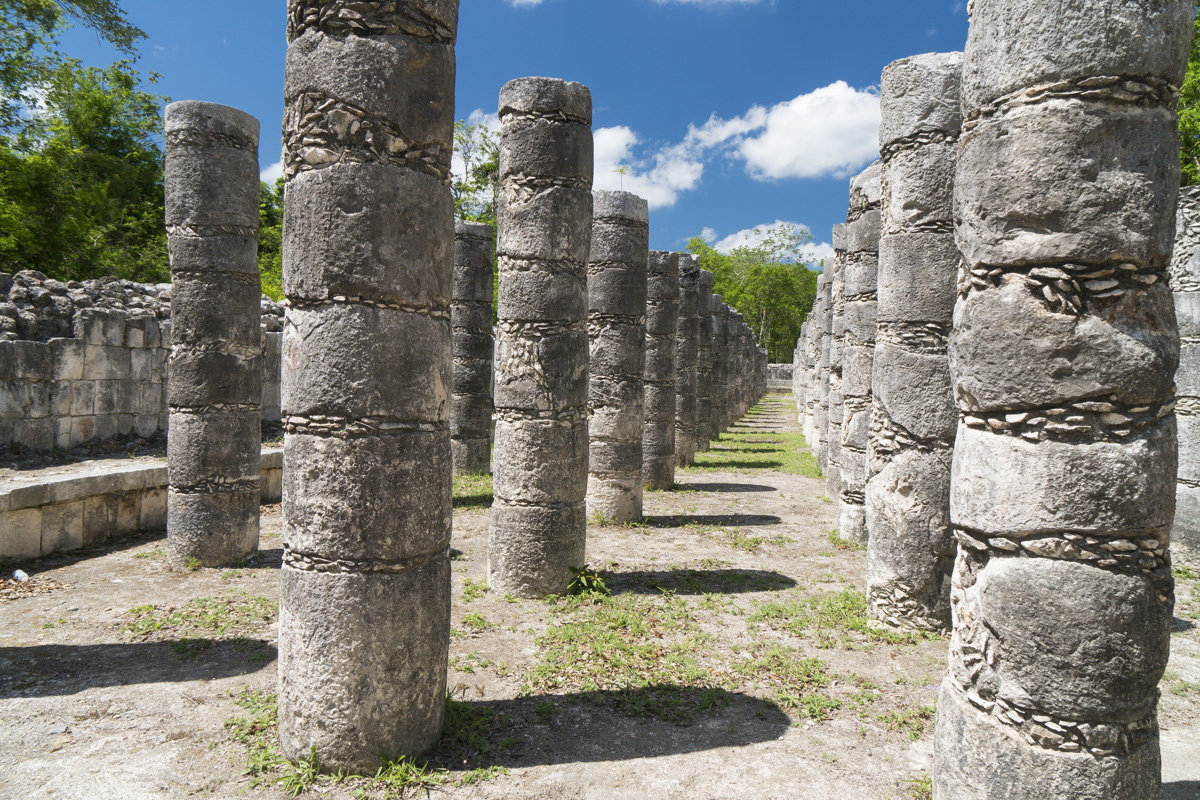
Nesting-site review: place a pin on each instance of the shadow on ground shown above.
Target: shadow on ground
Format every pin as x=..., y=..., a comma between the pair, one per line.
x=481, y=500
x=617, y=725
x=1181, y=790
x=694, y=581
x=733, y=463
x=54, y=670
x=722, y=520
x=726, y=487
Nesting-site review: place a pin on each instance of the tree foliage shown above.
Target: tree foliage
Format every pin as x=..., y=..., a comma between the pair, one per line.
x=771, y=283
x=270, y=238
x=1189, y=113
x=81, y=192
x=475, y=183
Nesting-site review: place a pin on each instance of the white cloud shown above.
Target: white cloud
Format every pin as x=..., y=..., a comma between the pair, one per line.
x=659, y=178
x=828, y=132
x=813, y=252
x=522, y=3
x=272, y=173
x=831, y=131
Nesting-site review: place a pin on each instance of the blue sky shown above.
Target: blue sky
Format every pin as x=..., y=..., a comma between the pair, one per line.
x=731, y=114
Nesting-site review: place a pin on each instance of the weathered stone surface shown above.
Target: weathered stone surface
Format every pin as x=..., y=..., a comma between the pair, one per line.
x=1062, y=356
x=977, y=757
x=1185, y=288
x=662, y=316
x=472, y=347
x=704, y=362
x=538, y=524
x=365, y=604
x=215, y=367
x=617, y=332
x=910, y=549
x=687, y=342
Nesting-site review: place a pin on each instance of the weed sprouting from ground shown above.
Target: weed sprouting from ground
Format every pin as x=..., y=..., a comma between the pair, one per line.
x=586, y=581
x=472, y=491
x=831, y=620
x=471, y=730
x=837, y=541
x=913, y=721
x=473, y=590
x=921, y=788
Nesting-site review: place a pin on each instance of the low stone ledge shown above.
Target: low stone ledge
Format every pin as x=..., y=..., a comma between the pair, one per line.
x=60, y=509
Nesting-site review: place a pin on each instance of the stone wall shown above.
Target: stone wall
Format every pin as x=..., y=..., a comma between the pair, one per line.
x=83, y=362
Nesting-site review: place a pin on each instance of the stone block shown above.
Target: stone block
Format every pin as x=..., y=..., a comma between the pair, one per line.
x=378, y=497
x=334, y=364
x=124, y=424
x=105, y=426
x=141, y=364
x=62, y=527
x=388, y=262
x=1185, y=535
x=32, y=361
x=152, y=509
x=977, y=757
x=1023, y=194
x=62, y=433
x=1014, y=44
x=36, y=434
x=145, y=425
x=68, y=358
x=21, y=533
x=14, y=399
x=1123, y=352
x=83, y=398
x=1005, y=484
x=83, y=429
x=919, y=94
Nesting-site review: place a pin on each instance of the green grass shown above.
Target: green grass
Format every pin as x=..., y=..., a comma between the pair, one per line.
x=152, y=555
x=836, y=619
x=471, y=732
x=193, y=627
x=837, y=541
x=472, y=491
x=640, y=649
x=913, y=721
x=920, y=788
x=473, y=590
x=752, y=544
x=798, y=681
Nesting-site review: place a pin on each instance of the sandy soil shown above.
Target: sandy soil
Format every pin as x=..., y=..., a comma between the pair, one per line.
x=733, y=582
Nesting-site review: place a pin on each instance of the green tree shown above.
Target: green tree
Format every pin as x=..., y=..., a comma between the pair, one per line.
x=475, y=188
x=1189, y=113
x=29, y=53
x=771, y=283
x=270, y=238
x=81, y=192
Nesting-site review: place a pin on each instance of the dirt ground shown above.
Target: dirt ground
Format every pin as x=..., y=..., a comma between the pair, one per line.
x=729, y=661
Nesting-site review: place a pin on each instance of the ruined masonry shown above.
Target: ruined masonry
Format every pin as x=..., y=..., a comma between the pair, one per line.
x=662, y=315
x=719, y=395
x=364, y=613
x=617, y=358
x=704, y=363
x=472, y=346
x=910, y=555
x=687, y=338
x=1063, y=485
x=214, y=384
x=538, y=524
x=1185, y=285
x=859, y=238
x=833, y=407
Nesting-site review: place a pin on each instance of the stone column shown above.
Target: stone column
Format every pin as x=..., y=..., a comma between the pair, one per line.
x=472, y=346
x=687, y=338
x=1063, y=354
x=617, y=332
x=214, y=384
x=833, y=419
x=364, y=611
x=704, y=368
x=539, y=517
x=720, y=378
x=662, y=316
x=1185, y=285
x=860, y=238
x=911, y=551
x=821, y=417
